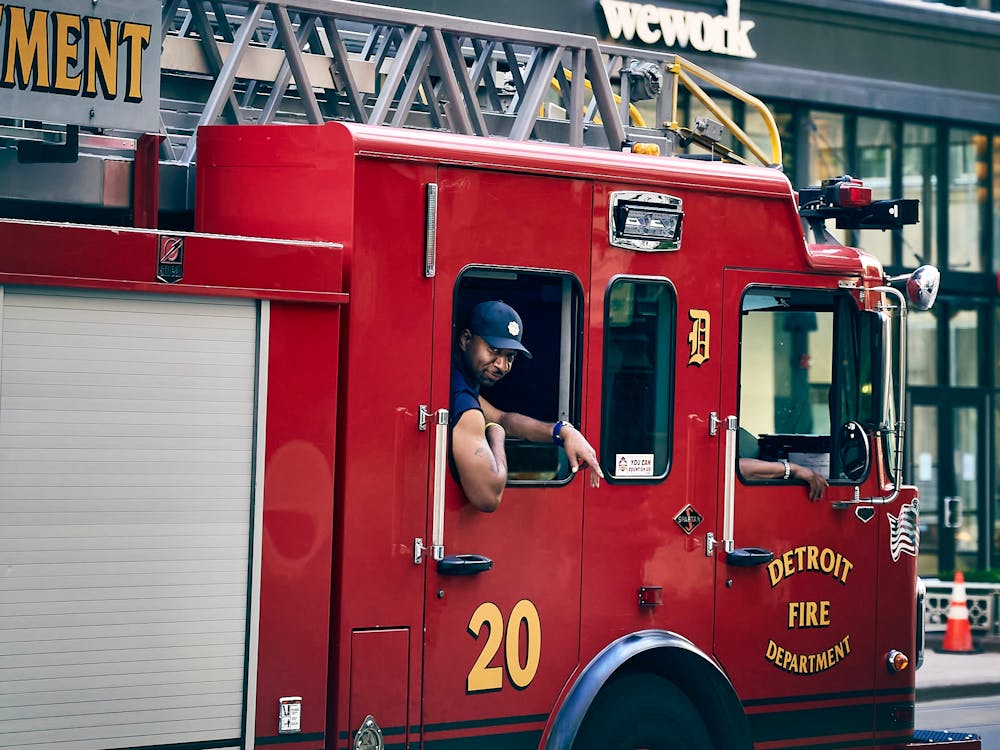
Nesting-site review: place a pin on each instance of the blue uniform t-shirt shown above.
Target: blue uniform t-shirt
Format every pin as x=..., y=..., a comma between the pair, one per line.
x=464, y=395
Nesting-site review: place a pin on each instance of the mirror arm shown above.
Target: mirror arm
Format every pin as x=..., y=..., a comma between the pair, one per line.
x=900, y=413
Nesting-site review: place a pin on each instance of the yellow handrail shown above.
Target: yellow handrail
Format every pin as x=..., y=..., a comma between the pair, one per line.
x=683, y=70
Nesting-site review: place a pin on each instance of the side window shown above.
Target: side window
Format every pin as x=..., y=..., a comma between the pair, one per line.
x=807, y=366
x=639, y=323
x=547, y=385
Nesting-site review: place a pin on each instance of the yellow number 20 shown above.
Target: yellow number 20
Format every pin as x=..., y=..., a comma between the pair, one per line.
x=484, y=677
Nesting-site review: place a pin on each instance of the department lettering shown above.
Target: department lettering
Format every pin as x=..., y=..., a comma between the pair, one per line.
x=789, y=661
x=651, y=24
x=73, y=55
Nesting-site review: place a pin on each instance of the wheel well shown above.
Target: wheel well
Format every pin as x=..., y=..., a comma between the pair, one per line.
x=671, y=657
x=707, y=687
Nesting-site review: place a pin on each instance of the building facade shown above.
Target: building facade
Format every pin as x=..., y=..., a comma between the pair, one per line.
x=903, y=94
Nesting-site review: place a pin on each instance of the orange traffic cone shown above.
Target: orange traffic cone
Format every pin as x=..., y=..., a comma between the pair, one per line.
x=958, y=635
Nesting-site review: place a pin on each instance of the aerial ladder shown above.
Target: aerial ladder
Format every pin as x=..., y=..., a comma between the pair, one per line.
x=313, y=61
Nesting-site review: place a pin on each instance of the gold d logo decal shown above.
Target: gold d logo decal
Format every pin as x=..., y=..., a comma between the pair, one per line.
x=698, y=338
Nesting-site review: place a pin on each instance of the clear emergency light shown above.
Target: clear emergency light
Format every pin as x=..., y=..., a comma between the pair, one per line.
x=645, y=221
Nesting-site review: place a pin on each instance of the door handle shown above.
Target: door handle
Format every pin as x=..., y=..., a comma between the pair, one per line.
x=747, y=557
x=464, y=565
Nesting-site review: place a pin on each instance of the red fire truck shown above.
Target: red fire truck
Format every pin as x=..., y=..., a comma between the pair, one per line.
x=238, y=241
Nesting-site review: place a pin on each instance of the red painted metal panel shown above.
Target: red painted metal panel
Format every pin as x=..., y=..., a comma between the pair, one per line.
x=126, y=259
x=384, y=458
x=379, y=666
x=298, y=513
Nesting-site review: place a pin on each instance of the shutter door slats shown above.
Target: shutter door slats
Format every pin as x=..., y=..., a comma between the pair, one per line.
x=126, y=455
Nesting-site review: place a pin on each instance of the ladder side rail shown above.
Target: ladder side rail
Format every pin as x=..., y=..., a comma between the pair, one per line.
x=435, y=109
x=514, y=66
x=483, y=71
x=222, y=90
x=415, y=80
x=540, y=74
x=210, y=48
x=456, y=59
x=292, y=42
x=458, y=116
x=394, y=78
x=222, y=21
x=170, y=8
x=340, y=70
x=604, y=97
x=576, y=97
x=253, y=86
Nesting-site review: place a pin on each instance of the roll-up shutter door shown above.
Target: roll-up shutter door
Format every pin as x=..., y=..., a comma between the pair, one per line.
x=126, y=455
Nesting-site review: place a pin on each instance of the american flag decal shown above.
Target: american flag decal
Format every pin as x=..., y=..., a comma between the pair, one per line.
x=904, y=534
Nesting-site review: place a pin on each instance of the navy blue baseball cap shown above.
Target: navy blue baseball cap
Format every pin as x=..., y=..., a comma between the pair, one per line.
x=499, y=325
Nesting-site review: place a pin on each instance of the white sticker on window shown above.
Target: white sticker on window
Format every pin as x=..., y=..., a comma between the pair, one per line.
x=633, y=464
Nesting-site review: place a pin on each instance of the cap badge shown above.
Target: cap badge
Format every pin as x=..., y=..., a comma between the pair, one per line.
x=514, y=328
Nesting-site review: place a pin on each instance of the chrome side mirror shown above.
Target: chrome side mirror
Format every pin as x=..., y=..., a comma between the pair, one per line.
x=855, y=455
x=922, y=287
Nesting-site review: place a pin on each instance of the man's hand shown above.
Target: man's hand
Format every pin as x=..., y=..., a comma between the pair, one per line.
x=817, y=483
x=580, y=452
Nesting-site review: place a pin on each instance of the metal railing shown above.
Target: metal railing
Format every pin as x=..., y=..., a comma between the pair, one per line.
x=983, y=601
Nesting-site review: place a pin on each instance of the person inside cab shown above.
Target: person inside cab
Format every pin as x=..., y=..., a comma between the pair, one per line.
x=485, y=352
x=756, y=469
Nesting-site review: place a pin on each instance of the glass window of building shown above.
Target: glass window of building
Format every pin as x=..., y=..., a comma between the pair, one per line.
x=826, y=132
x=876, y=151
x=965, y=439
x=967, y=207
x=919, y=159
x=784, y=118
x=827, y=151
x=921, y=347
x=996, y=207
x=963, y=332
x=924, y=473
x=996, y=484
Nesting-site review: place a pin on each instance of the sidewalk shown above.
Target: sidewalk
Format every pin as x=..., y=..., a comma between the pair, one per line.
x=950, y=675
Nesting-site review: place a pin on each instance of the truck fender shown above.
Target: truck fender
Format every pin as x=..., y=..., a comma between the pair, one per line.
x=671, y=656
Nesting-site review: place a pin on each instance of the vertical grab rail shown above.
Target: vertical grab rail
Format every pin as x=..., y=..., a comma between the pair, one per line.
x=440, y=467
x=730, y=489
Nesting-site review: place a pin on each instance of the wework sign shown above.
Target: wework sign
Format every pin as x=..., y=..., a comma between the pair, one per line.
x=680, y=29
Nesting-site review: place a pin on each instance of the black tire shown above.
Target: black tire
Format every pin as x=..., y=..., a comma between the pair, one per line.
x=642, y=712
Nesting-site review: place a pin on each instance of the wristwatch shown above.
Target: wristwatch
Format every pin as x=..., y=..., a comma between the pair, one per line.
x=788, y=469
x=556, y=429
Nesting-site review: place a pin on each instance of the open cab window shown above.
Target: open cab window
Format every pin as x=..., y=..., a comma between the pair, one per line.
x=639, y=322
x=812, y=380
x=547, y=386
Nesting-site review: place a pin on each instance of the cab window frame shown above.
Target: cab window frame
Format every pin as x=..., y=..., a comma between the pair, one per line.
x=556, y=365
x=663, y=375
x=841, y=333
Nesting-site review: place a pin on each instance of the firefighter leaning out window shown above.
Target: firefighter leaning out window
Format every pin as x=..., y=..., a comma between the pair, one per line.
x=488, y=342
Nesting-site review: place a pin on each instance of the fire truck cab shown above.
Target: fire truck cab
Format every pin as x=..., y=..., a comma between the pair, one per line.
x=231, y=518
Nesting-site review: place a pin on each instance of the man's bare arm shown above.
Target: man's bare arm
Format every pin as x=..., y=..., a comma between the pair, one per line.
x=481, y=460
x=755, y=468
x=578, y=450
